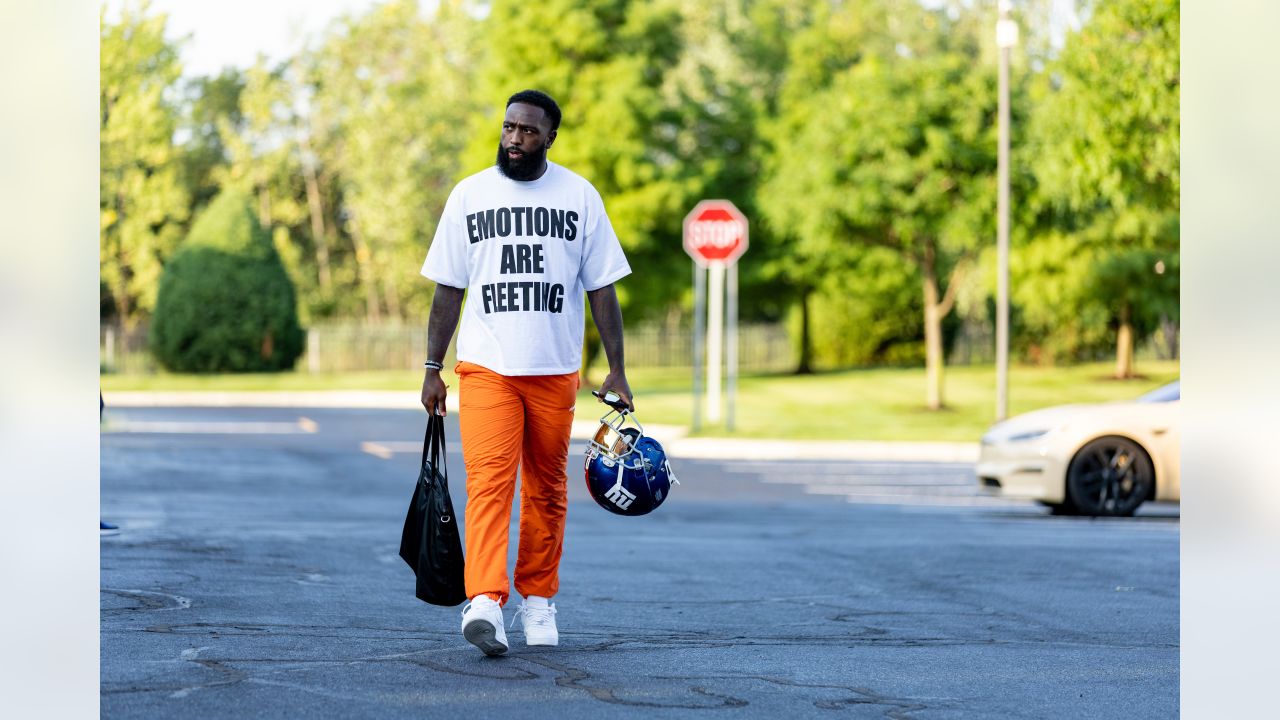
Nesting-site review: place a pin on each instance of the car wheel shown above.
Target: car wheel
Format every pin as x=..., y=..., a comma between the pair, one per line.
x=1110, y=476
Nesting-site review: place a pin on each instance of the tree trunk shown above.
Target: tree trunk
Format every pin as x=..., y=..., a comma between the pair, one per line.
x=391, y=297
x=120, y=289
x=1124, y=346
x=364, y=269
x=935, y=310
x=933, y=361
x=805, y=366
x=1169, y=329
x=315, y=205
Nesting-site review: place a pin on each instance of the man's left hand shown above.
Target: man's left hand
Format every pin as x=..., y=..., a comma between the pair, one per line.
x=617, y=382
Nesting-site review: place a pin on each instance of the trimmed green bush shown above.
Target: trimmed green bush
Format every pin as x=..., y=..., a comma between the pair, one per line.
x=226, y=303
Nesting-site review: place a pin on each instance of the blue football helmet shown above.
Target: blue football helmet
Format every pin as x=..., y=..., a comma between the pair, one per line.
x=627, y=471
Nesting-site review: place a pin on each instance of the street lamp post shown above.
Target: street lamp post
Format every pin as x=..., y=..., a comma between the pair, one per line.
x=1006, y=39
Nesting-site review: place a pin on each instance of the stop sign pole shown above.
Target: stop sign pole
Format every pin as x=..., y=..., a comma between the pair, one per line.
x=715, y=236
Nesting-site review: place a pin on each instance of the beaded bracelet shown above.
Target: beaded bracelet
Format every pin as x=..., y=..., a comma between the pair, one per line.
x=432, y=364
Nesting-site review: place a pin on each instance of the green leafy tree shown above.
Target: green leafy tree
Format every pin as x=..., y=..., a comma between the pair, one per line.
x=263, y=160
x=225, y=302
x=896, y=151
x=143, y=201
x=661, y=102
x=1106, y=143
x=210, y=104
x=388, y=91
x=607, y=63
x=723, y=88
x=868, y=314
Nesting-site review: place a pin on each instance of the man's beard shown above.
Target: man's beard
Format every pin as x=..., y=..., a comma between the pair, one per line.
x=524, y=167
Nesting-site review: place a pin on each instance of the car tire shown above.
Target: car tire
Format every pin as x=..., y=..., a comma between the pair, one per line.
x=1110, y=476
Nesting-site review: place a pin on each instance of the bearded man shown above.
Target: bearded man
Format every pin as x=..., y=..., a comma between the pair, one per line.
x=526, y=239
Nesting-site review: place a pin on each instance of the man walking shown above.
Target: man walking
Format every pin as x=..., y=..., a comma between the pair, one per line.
x=527, y=238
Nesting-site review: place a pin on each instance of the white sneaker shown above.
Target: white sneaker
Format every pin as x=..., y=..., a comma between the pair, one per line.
x=482, y=625
x=538, y=623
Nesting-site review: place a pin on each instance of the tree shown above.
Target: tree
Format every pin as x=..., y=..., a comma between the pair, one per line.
x=897, y=152
x=868, y=313
x=143, y=201
x=605, y=62
x=210, y=105
x=661, y=105
x=225, y=302
x=262, y=160
x=1106, y=138
x=387, y=92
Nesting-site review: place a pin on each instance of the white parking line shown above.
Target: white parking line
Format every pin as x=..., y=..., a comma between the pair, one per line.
x=877, y=480
x=957, y=501
x=876, y=490
x=879, y=483
x=851, y=468
x=959, y=497
x=386, y=448
x=302, y=426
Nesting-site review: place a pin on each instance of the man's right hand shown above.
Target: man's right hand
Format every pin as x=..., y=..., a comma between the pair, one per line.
x=445, y=306
x=434, y=391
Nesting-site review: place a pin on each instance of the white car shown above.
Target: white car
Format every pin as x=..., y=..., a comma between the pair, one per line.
x=1100, y=459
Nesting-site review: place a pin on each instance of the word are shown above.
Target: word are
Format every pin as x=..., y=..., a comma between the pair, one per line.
x=521, y=259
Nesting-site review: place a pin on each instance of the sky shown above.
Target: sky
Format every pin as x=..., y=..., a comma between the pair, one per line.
x=235, y=32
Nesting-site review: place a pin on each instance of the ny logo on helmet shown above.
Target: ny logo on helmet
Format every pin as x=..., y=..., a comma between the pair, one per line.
x=619, y=496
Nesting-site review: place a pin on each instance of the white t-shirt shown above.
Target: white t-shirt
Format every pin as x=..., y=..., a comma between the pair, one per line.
x=526, y=252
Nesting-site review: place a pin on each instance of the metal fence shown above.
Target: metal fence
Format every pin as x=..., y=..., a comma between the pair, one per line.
x=350, y=347
x=125, y=351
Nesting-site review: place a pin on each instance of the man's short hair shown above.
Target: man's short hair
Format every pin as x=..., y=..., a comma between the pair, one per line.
x=537, y=98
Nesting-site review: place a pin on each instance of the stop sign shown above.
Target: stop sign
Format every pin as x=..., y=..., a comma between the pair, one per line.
x=715, y=231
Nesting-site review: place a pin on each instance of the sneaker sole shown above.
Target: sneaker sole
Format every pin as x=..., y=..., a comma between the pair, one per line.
x=483, y=635
x=544, y=643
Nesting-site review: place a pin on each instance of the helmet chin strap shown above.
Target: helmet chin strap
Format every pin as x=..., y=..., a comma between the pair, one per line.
x=671, y=473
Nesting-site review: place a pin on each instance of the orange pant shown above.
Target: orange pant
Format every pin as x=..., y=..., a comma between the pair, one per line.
x=509, y=423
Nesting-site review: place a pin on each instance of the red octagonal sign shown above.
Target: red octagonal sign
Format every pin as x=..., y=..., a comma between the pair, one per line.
x=715, y=231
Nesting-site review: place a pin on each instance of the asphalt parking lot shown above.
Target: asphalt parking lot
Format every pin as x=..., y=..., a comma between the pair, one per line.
x=256, y=575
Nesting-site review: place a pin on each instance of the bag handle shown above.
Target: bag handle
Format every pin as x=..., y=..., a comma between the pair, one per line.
x=433, y=446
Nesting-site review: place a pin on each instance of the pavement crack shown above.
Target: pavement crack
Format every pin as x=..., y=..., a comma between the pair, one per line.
x=228, y=676
x=146, y=600
x=286, y=630
x=896, y=708
x=516, y=673
x=575, y=678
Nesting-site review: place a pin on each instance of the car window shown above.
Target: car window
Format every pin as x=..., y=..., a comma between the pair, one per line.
x=1168, y=393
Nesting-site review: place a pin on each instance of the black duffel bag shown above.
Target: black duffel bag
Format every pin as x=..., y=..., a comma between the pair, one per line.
x=430, y=542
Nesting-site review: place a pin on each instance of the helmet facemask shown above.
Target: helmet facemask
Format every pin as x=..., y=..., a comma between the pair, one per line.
x=616, y=442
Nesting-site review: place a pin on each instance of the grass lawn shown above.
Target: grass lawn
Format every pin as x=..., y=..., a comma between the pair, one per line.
x=888, y=404
x=876, y=404
x=268, y=382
